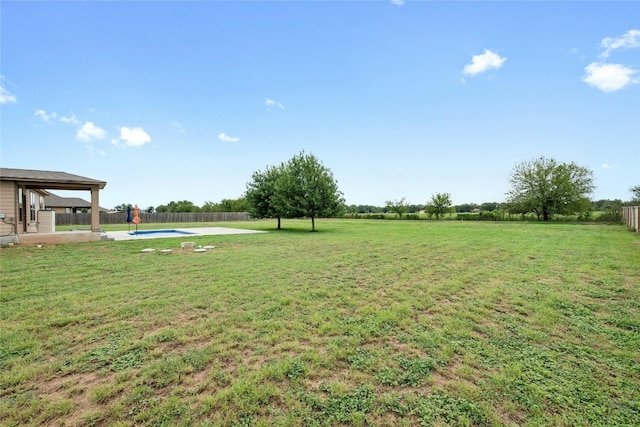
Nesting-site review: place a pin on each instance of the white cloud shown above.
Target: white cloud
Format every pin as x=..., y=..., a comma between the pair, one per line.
x=45, y=116
x=273, y=103
x=134, y=137
x=629, y=40
x=397, y=2
x=609, y=77
x=72, y=119
x=6, y=97
x=226, y=138
x=484, y=62
x=607, y=166
x=90, y=131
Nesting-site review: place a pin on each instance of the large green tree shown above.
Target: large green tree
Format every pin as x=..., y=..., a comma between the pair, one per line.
x=547, y=187
x=263, y=198
x=308, y=189
x=301, y=187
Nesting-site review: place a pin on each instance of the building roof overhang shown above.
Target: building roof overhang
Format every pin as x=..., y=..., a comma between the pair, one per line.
x=50, y=180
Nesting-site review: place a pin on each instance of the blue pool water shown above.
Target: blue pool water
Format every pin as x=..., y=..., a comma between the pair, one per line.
x=160, y=232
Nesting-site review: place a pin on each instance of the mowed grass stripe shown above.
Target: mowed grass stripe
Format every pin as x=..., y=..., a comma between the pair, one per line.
x=364, y=322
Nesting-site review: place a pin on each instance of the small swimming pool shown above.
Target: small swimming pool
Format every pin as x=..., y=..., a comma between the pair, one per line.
x=160, y=233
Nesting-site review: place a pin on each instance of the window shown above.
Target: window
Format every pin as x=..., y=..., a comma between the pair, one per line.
x=33, y=206
x=41, y=202
x=20, y=212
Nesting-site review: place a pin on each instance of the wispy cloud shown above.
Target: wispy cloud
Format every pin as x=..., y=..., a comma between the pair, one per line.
x=72, y=119
x=52, y=117
x=177, y=126
x=133, y=137
x=273, y=103
x=609, y=77
x=484, y=62
x=93, y=152
x=226, y=138
x=48, y=118
x=629, y=40
x=397, y=2
x=89, y=131
x=608, y=166
x=6, y=97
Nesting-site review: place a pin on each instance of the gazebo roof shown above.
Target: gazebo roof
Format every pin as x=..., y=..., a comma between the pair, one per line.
x=50, y=179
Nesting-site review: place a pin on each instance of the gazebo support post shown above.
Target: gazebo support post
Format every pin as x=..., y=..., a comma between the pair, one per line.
x=95, y=209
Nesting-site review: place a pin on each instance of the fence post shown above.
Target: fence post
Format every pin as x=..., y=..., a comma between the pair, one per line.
x=631, y=217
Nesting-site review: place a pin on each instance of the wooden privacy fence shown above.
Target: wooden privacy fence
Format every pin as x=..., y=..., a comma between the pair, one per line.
x=150, y=218
x=630, y=217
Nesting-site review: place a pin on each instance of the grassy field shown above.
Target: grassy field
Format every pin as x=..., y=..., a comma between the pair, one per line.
x=363, y=323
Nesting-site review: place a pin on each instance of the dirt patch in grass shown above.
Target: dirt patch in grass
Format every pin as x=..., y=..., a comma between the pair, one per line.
x=198, y=381
x=253, y=360
x=77, y=388
x=71, y=385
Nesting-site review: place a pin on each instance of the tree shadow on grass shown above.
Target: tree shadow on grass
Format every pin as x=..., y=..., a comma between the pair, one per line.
x=300, y=228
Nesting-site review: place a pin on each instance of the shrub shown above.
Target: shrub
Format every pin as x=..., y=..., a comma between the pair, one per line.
x=467, y=217
x=610, y=215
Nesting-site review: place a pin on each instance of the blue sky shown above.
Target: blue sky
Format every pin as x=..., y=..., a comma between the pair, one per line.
x=170, y=101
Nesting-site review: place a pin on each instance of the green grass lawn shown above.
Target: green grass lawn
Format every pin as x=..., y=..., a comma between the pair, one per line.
x=363, y=323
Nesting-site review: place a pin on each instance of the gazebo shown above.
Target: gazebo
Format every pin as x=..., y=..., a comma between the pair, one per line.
x=22, y=207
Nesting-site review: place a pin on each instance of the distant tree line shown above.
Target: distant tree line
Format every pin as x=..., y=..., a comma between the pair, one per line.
x=417, y=208
x=225, y=205
x=601, y=205
x=240, y=205
x=303, y=187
